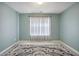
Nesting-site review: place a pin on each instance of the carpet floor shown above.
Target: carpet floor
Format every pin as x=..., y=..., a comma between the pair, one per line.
x=39, y=49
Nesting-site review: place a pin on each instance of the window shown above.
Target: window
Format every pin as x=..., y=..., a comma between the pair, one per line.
x=39, y=26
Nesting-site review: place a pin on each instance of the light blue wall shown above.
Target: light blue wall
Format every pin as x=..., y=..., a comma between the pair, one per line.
x=69, y=26
x=24, y=26
x=8, y=26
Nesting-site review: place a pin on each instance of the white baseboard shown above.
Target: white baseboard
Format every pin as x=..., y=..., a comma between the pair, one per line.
x=8, y=48
x=70, y=47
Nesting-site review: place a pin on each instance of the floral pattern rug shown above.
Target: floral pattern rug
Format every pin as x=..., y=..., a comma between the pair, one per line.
x=39, y=49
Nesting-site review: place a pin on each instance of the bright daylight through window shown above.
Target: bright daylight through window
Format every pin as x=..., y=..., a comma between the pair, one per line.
x=39, y=26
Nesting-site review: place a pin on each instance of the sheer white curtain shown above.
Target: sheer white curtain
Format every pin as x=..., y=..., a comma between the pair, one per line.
x=39, y=26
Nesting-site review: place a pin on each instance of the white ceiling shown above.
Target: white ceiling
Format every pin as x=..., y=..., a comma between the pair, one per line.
x=33, y=7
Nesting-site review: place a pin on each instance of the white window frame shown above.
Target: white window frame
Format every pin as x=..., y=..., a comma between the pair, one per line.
x=40, y=27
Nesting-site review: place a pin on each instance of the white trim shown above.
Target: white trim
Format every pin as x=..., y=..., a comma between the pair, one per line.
x=8, y=48
x=70, y=47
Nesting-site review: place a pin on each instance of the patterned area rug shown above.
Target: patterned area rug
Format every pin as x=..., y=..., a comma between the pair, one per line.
x=39, y=49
